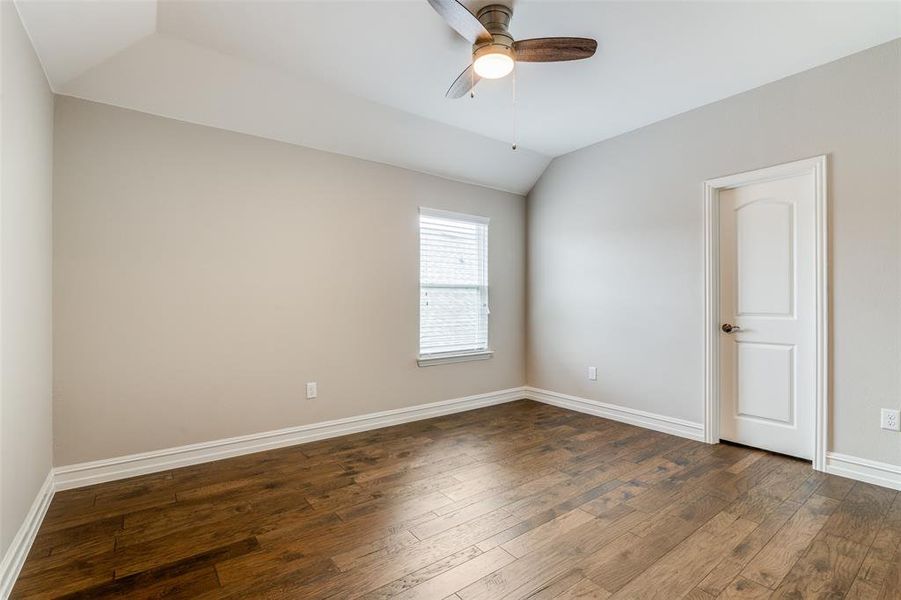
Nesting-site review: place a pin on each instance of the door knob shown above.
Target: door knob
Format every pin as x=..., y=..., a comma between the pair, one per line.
x=730, y=328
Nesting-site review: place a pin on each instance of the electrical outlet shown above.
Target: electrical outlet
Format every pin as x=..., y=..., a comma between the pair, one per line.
x=890, y=419
x=593, y=373
x=311, y=390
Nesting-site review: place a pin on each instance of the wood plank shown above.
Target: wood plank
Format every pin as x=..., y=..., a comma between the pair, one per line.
x=534, y=538
x=526, y=525
x=193, y=575
x=530, y=572
x=585, y=589
x=814, y=480
x=423, y=575
x=827, y=570
x=458, y=577
x=736, y=560
x=752, y=457
x=361, y=554
x=745, y=589
x=615, y=565
x=556, y=585
x=687, y=564
x=790, y=542
x=835, y=487
x=861, y=513
x=881, y=563
x=891, y=585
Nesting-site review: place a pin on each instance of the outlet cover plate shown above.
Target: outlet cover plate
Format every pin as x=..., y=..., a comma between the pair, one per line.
x=890, y=419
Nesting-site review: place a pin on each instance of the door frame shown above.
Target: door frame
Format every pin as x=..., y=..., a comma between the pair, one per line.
x=712, y=187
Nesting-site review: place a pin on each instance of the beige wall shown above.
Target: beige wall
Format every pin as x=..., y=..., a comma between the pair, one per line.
x=616, y=246
x=202, y=277
x=26, y=129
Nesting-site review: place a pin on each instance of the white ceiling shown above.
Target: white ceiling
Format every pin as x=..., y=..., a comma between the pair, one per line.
x=367, y=78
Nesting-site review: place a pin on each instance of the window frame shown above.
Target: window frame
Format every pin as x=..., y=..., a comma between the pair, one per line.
x=436, y=358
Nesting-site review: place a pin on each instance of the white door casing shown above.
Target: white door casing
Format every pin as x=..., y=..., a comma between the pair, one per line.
x=766, y=382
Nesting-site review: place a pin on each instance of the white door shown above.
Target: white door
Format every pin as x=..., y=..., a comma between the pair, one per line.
x=768, y=314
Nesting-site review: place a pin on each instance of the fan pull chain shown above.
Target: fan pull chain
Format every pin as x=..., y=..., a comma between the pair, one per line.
x=472, y=82
x=514, y=107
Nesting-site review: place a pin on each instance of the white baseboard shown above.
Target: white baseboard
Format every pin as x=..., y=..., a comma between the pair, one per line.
x=112, y=469
x=89, y=473
x=862, y=469
x=18, y=549
x=640, y=418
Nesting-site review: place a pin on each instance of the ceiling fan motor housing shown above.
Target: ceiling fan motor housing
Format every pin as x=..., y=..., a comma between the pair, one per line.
x=496, y=19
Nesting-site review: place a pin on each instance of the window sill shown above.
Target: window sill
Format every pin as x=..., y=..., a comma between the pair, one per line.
x=428, y=361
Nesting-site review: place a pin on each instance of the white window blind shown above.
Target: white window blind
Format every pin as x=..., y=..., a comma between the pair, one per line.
x=453, y=283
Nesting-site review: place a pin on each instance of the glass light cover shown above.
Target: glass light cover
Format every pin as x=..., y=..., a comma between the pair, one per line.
x=493, y=65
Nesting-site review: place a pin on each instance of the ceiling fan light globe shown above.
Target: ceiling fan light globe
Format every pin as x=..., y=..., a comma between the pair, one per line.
x=494, y=64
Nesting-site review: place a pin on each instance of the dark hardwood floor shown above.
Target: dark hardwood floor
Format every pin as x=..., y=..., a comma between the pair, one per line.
x=521, y=500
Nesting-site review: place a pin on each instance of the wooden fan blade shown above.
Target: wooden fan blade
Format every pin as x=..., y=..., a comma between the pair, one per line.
x=554, y=49
x=461, y=20
x=465, y=82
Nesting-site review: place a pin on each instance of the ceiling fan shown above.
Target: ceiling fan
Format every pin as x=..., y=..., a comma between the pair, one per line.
x=493, y=49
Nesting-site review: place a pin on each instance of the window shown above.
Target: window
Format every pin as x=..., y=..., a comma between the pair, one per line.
x=453, y=287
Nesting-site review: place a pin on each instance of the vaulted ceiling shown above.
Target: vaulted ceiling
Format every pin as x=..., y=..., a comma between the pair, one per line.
x=367, y=78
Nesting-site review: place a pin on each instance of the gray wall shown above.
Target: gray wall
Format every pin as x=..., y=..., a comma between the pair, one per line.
x=26, y=130
x=202, y=277
x=616, y=246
